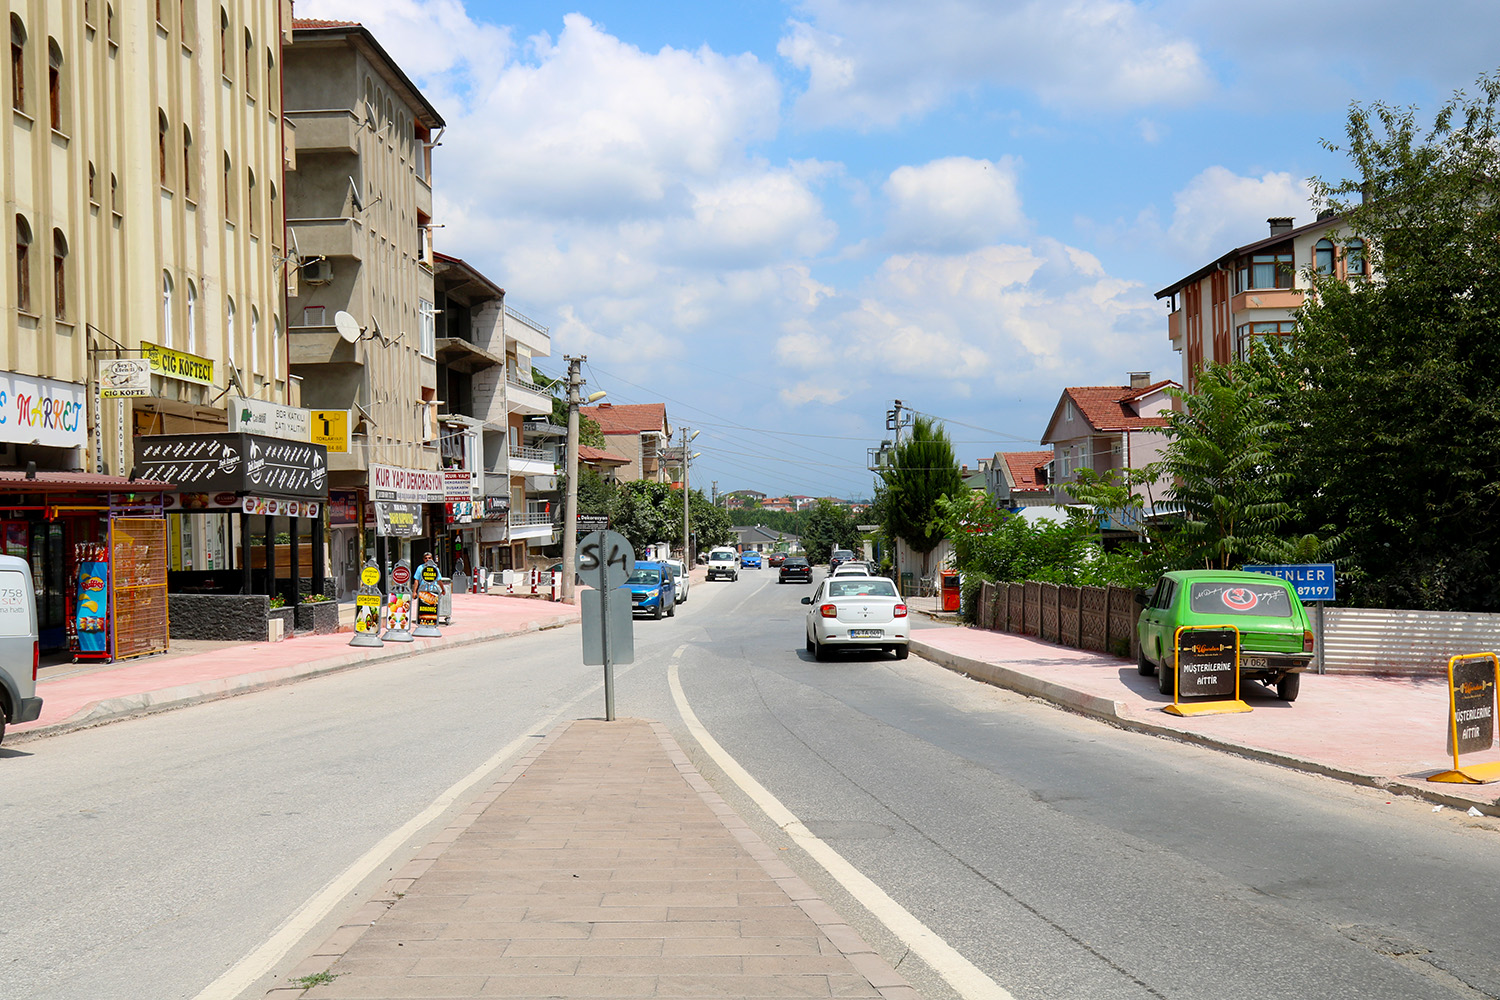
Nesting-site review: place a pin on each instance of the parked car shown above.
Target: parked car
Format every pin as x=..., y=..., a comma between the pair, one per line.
x=20, y=649
x=838, y=556
x=1276, y=639
x=750, y=560
x=795, y=568
x=775, y=559
x=680, y=581
x=723, y=562
x=852, y=568
x=857, y=612
x=651, y=590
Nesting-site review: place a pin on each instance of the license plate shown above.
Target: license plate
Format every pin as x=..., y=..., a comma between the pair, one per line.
x=1254, y=662
x=865, y=633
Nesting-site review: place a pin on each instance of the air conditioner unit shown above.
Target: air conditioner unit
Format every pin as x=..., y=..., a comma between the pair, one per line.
x=318, y=272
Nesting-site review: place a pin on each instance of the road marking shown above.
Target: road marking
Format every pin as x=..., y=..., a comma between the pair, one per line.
x=263, y=959
x=961, y=974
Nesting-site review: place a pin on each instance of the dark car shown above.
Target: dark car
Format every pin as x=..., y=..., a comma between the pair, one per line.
x=775, y=559
x=839, y=556
x=795, y=569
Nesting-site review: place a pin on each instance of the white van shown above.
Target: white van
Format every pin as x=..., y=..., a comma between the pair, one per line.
x=723, y=562
x=19, y=648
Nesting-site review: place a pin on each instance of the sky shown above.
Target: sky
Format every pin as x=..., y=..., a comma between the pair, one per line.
x=779, y=217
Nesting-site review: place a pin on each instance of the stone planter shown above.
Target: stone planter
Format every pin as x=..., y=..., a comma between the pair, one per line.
x=233, y=617
x=285, y=614
x=321, y=618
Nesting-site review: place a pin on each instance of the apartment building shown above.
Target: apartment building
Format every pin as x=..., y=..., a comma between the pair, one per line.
x=636, y=432
x=1251, y=293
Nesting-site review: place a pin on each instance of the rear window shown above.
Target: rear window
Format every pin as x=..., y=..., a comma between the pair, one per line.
x=862, y=588
x=644, y=576
x=795, y=561
x=15, y=612
x=1260, y=600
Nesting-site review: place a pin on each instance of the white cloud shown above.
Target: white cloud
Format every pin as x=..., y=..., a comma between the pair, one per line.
x=954, y=204
x=1219, y=210
x=874, y=62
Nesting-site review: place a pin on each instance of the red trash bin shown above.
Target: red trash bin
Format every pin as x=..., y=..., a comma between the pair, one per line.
x=951, y=596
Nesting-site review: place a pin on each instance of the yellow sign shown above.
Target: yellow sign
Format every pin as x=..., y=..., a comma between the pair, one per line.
x=179, y=365
x=369, y=576
x=330, y=428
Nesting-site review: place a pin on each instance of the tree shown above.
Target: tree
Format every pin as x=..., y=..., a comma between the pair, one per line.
x=1399, y=423
x=590, y=434
x=923, y=468
x=647, y=512
x=827, y=527
x=710, y=524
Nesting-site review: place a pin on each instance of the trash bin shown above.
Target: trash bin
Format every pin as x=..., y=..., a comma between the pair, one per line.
x=906, y=582
x=951, y=595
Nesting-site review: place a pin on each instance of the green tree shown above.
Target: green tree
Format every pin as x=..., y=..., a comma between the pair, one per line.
x=589, y=432
x=827, y=527
x=922, y=469
x=710, y=524
x=647, y=512
x=1399, y=423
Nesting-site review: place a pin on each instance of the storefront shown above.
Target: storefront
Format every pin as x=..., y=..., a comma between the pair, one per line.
x=412, y=521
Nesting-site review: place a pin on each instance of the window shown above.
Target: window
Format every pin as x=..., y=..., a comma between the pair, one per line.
x=224, y=42
x=1323, y=256
x=429, y=328
x=228, y=189
x=93, y=195
x=166, y=309
x=229, y=333
x=314, y=316
x=23, y=264
x=271, y=87
x=109, y=22
x=162, y=130
x=249, y=63
x=251, y=214
x=1265, y=270
x=187, y=162
x=1354, y=257
x=1247, y=335
x=59, y=275
x=114, y=194
x=254, y=341
x=192, y=318
x=55, y=104
x=17, y=64
x=275, y=348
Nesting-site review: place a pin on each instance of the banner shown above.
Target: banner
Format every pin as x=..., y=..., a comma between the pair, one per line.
x=179, y=365
x=389, y=482
x=256, y=416
x=125, y=378
x=235, y=463
x=398, y=520
x=42, y=411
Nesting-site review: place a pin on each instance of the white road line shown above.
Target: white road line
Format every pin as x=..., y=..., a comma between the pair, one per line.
x=262, y=960
x=965, y=978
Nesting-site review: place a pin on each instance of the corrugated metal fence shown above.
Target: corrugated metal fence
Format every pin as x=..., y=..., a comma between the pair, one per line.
x=1355, y=640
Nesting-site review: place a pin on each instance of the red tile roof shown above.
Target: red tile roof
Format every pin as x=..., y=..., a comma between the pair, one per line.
x=309, y=22
x=1105, y=406
x=587, y=454
x=627, y=418
x=1022, y=466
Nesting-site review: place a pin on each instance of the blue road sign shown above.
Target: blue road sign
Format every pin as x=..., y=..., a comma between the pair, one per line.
x=1314, y=581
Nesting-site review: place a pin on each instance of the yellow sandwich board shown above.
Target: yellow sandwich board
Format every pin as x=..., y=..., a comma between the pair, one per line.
x=1472, y=682
x=1209, y=656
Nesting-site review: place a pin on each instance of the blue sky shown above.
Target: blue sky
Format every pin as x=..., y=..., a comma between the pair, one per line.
x=778, y=217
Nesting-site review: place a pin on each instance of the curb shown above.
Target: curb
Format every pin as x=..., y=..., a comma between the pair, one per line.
x=1118, y=714
x=127, y=706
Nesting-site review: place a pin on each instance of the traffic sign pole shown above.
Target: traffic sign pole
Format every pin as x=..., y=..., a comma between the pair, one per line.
x=604, y=562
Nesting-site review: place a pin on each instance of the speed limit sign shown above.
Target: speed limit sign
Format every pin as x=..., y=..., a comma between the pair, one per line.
x=605, y=559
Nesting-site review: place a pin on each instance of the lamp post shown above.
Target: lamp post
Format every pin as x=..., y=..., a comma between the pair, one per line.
x=687, y=539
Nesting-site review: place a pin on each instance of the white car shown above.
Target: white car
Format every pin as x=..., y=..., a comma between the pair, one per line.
x=724, y=562
x=679, y=578
x=857, y=612
x=853, y=569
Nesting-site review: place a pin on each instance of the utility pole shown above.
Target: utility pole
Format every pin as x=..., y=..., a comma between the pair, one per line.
x=570, y=511
x=687, y=538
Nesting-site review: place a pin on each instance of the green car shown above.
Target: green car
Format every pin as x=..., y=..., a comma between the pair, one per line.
x=1276, y=640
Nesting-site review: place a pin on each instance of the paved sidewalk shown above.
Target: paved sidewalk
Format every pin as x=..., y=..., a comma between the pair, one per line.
x=601, y=865
x=89, y=696
x=1379, y=731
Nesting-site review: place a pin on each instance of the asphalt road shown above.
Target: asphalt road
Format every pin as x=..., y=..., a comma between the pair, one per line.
x=1062, y=857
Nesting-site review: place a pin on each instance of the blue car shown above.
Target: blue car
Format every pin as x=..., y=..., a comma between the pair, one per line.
x=651, y=590
x=749, y=560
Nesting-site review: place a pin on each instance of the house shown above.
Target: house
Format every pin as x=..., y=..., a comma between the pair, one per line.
x=1252, y=292
x=1018, y=479
x=601, y=461
x=756, y=538
x=1106, y=427
x=636, y=432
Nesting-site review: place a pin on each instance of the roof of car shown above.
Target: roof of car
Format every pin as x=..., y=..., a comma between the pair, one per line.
x=1225, y=575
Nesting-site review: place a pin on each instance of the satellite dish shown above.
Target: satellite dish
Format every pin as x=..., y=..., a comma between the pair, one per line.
x=346, y=325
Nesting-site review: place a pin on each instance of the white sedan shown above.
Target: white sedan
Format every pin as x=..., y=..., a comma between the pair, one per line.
x=857, y=612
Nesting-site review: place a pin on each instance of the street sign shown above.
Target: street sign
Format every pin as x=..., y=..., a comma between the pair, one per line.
x=367, y=607
x=592, y=522
x=1312, y=581
x=1205, y=664
x=621, y=628
x=605, y=559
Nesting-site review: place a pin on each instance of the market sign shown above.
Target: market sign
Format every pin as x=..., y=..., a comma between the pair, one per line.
x=42, y=411
x=235, y=463
x=179, y=365
x=389, y=482
x=460, y=484
x=125, y=378
x=398, y=520
x=256, y=416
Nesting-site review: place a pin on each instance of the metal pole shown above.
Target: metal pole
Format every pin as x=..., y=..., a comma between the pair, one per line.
x=687, y=545
x=570, y=510
x=1318, y=623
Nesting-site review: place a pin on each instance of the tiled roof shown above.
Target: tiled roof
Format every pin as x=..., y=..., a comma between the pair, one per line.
x=1104, y=406
x=587, y=454
x=310, y=22
x=1023, y=466
x=627, y=418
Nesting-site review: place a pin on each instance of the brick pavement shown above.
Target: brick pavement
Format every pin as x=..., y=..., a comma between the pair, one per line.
x=602, y=865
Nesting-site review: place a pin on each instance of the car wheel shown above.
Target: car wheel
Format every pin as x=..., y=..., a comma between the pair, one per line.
x=672, y=611
x=1288, y=687
x=657, y=615
x=1143, y=664
x=820, y=652
x=811, y=648
x=1164, y=679
x=901, y=652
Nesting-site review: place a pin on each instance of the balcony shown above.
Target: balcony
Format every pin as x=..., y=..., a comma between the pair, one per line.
x=322, y=345
x=532, y=462
x=332, y=237
x=528, y=332
x=1267, y=298
x=526, y=397
x=531, y=524
x=326, y=131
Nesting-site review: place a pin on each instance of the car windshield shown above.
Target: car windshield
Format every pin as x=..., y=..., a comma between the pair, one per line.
x=794, y=561
x=644, y=575
x=1260, y=600
x=862, y=588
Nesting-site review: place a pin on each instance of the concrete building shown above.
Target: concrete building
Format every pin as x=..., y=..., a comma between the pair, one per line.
x=1105, y=428
x=359, y=211
x=1019, y=478
x=636, y=432
x=1252, y=292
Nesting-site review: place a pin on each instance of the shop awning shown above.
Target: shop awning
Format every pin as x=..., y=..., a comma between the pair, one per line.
x=48, y=481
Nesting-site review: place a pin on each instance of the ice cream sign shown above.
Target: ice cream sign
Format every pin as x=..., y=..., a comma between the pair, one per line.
x=42, y=411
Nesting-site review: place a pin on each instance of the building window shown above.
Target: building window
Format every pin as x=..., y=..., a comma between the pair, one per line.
x=1354, y=257
x=1247, y=335
x=275, y=349
x=224, y=42
x=114, y=194
x=251, y=214
x=271, y=87
x=229, y=333
x=1323, y=256
x=109, y=22
x=429, y=328
x=23, y=264
x=187, y=162
x=254, y=341
x=314, y=316
x=192, y=319
x=55, y=103
x=249, y=63
x=166, y=309
x=228, y=189
x=162, y=131
x=93, y=195
x=59, y=275
x=1265, y=270
x=17, y=64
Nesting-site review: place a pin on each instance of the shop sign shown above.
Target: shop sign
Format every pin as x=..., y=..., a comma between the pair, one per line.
x=343, y=508
x=227, y=502
x=330, y=428
x=42, y=411
x=256, y=416
x=394, y=519
x=235, y=463
x=179, y=365
x=125, y=378
x=460, y=512
x=273, y=507
x=460, y=484
x=389, y=482
x=496, y=508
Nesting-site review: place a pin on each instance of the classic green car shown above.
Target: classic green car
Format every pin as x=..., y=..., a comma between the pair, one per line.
x=1276, y=641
